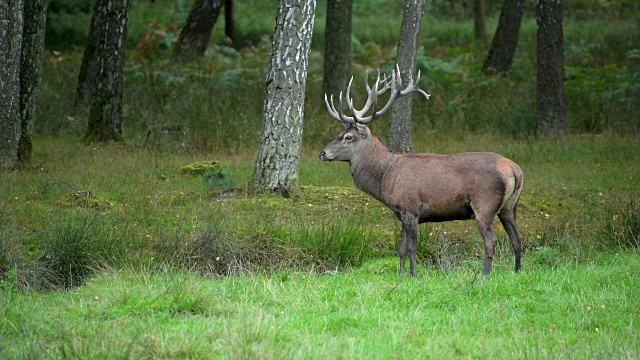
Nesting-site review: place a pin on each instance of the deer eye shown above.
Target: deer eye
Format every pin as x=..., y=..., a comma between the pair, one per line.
x=348, y=137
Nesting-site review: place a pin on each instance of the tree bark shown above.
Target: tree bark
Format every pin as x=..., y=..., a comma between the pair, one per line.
x=11, y=24
x=105, y=116
x=35, y=19
x=196, y=32
x=399, y=138
x=550, y=102
x=229, y=24
x=479, y=20
x=337, y=47
x=88, y=67
x=278, y=160
x=505, y=40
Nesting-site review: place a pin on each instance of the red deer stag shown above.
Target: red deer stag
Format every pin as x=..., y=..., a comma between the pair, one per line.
x=426, y=187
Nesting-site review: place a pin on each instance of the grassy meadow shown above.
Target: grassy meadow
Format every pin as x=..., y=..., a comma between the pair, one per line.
x=110, y=251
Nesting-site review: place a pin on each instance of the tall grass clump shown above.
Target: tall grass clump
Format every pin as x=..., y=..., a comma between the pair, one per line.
x=622, y=227
x=74, y=248
x=18, y=270
x=219, y=252
x=301, y=245
x=331, y=244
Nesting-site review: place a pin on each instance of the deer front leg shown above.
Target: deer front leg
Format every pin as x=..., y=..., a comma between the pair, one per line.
x=409, y=243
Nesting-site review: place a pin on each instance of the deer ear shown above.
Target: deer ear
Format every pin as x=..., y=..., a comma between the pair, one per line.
x=363, y=130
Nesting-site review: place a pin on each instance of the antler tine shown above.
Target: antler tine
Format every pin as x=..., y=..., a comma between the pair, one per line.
x=413, y=87
x=366, y=80
x=344, y=118
x=399, y=75
x=381, y=86
x=385, y=85
x=337, y=114
x=331, y=108
x=375, y=98
x=349, y=99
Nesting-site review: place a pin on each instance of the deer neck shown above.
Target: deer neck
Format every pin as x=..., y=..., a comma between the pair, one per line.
x=369, y=167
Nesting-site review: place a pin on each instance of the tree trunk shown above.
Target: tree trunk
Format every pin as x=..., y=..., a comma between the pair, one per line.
x=550, y=107
x=195, y=34
x=35, y=19
x=11, y=23
x=105, y=116
x=505, y=40
x=278, y=157
x=337, y=47
x=88, y=67
x=399, y=138
x=229, y=25
x=479, y=21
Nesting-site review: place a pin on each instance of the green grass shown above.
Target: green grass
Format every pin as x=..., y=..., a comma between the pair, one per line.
x=568, y=311
x=87, y=208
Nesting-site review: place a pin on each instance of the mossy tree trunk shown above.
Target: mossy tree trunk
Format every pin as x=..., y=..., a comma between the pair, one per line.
x=337, y=47
x=105, y=115
x=278, y=160
x=550, y=101
x=505, y=40
x=399, y=137
x=196, y=32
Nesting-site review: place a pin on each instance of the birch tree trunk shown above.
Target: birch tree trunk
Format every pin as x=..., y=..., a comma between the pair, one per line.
x=550, y=102
x=337, y=47
x=105, y=115
x=399, y=138
x=505, y=40
x=278, y=159
x=11, y=23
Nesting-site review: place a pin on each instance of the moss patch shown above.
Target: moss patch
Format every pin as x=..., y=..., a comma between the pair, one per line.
x=87, y=200
x=200, y=168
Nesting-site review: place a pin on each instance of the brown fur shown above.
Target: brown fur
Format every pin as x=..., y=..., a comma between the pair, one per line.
x=429, y=188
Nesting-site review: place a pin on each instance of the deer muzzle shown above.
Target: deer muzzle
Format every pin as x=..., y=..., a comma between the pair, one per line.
x=323, y=156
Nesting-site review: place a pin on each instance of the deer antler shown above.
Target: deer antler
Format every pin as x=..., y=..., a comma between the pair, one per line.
x=380, y=87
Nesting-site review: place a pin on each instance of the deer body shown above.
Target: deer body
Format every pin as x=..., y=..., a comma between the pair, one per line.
x=431, y=188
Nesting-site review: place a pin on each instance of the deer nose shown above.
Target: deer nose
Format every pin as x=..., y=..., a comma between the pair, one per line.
x=322, y=154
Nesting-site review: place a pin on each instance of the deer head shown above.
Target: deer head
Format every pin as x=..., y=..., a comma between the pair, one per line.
x=356, y=133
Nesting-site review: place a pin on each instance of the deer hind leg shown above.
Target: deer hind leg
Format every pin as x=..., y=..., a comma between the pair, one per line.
x=409, y=243
x=508, y=219
x=489, y=235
